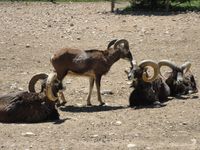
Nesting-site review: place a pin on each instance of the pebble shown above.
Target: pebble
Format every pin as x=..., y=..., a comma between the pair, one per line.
x=68, y=82
x=28, y=46
x=95, y=135
x=135, y=25
x=184, y=123
x=24, y=73
x=28, y=134
x=71, y=24
x=129, y=82
x=13, y=86
x=2, y=58
x=194, y=141
x=118, y=123
x=20, y=88
x=131, y=145
x=79, y=105
x=107, y=92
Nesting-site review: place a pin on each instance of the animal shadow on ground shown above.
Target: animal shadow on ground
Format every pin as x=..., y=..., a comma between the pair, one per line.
x=59, y=121
x=90, y=109
x=162, y=12
x=149, y=106
x=185, y=97
x=178, y=97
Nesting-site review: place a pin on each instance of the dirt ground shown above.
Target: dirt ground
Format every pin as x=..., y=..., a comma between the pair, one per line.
x=31, y=32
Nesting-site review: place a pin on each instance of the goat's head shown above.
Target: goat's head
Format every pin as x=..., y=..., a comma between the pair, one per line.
x=139, y=72
x=177, y=72
x=53, y=85
x=123, y=47
x=49, y=85
x=180, y=80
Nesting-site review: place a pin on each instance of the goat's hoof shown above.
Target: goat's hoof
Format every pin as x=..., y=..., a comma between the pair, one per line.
x=61, y=104
x=102, y=104
x=89, y=104
x=157, y=104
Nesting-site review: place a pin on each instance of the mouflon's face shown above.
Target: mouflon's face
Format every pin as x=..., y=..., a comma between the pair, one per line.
x=136, y=73
x=178, y=75
x=122, y=46
x=125, y=52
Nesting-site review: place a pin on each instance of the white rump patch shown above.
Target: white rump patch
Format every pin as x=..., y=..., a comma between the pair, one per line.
x=80, y=58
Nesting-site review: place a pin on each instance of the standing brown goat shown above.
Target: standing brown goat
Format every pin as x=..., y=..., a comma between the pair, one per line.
x=92, y=63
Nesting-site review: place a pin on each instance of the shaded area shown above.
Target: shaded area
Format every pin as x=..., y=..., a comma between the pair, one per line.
x=158, y=105
x=90, y=109
x=60, y=121
x=149, y=13
x=56, y=122
x=185, y=97
x=159, y=7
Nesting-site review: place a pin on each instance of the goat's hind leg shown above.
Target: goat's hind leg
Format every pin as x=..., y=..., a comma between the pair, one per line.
x=91, y=80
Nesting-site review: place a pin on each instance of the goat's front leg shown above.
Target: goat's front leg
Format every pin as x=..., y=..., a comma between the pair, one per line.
x=91, y=80
x=98, y=85
x=62, y=98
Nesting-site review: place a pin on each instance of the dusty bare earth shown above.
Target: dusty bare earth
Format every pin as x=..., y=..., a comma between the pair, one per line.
x=31, y=32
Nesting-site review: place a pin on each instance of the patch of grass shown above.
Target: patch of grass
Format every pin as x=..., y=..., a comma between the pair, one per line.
x=128, y=8
x=193, y=6
x=55, y=0
x=80, y=0
x=175, y=6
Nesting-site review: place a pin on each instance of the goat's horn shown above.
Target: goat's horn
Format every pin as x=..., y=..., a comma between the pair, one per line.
x=186, y=66
x=167, y=63
x=111, y=43
x=121, y=41
x=34, y=79
x=152, y=64
x=49, y=93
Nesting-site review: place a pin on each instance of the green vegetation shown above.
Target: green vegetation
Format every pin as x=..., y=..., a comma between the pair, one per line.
x=56, y=0
x=155, y=5
x=162, y=5
x=193, y=5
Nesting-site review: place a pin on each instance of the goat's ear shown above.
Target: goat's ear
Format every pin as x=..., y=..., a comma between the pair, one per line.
x=111, y=43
